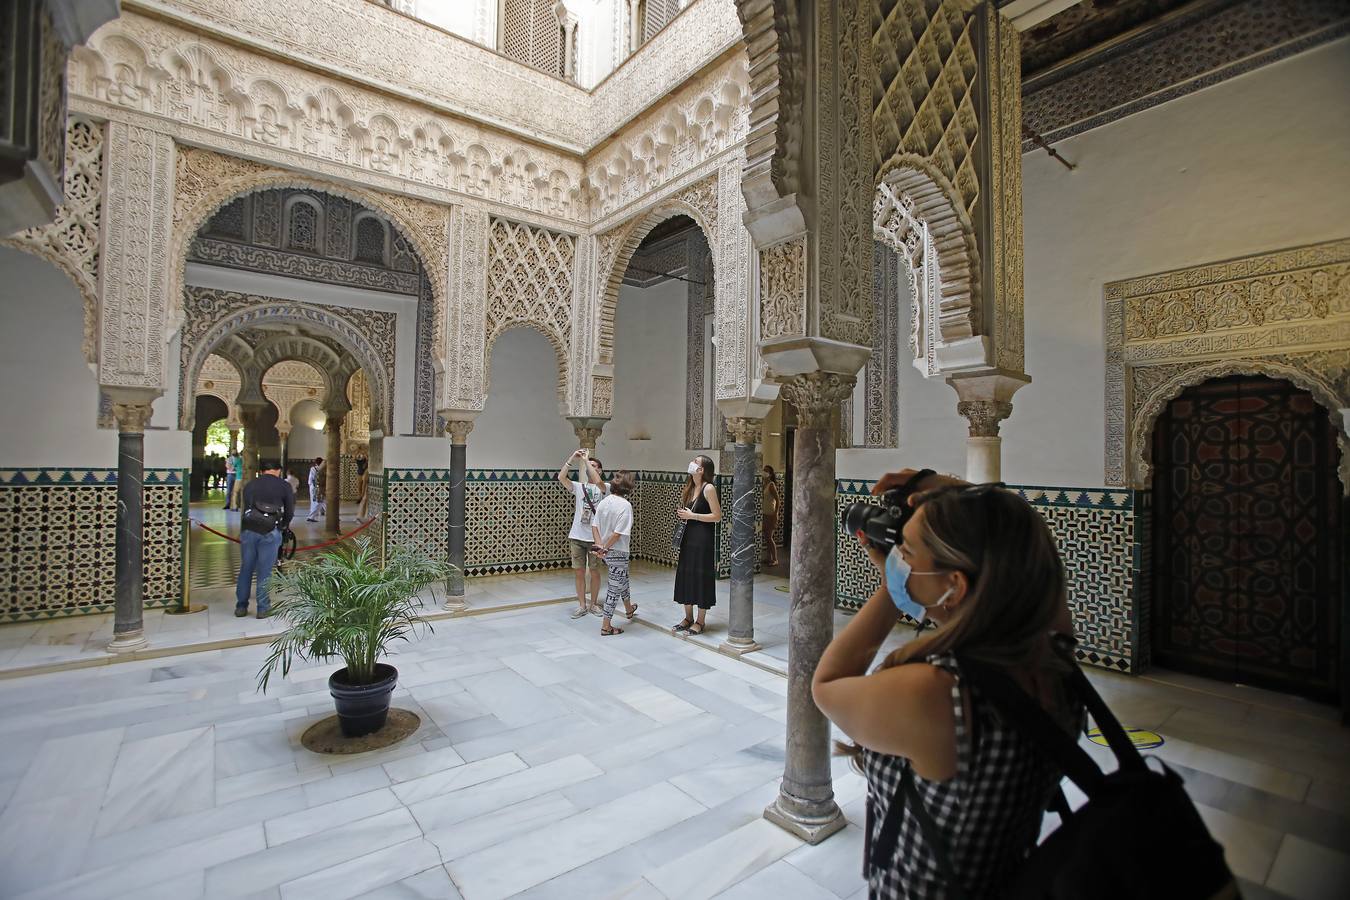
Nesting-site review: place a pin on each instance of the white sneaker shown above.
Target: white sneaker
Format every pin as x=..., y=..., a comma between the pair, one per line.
x=595, y=611
x=578, y=613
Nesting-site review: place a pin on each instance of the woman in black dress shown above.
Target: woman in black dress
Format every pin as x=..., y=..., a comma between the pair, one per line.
x=696, y=575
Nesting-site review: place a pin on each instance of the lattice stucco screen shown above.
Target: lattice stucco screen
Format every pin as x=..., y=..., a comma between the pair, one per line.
x=657, y=14
x=530, y=32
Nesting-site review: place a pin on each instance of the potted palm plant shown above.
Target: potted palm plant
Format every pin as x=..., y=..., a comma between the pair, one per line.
x=345, y=605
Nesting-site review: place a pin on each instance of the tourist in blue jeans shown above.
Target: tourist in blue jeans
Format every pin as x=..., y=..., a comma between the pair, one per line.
x=268, y=505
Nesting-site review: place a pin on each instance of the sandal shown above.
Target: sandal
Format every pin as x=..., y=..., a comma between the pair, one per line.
x=630, y=615
x=698, y=625
x=606, y=632
x=683, y=626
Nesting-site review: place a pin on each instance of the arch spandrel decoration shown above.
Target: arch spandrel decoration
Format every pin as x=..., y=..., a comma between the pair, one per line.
x=1284, y=314
x=206, y=181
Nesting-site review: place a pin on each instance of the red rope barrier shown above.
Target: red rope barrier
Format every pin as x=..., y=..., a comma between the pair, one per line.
x=337, y=540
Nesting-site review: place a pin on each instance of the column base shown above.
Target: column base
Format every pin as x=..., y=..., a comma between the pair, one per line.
x=455, y=604
x=739, y=646
x=128, y=642
x=812, y=822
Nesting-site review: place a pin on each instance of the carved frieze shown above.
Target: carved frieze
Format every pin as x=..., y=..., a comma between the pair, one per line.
x=1285, y=314
x=782, y=289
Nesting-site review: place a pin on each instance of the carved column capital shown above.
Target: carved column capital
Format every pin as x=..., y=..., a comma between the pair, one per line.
x=131, y=417
x=816, y=396
x=587, y=430
x=984, y=415
x=745, y=431
x=459, y=431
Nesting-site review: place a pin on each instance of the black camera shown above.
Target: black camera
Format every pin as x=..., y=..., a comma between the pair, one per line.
x=881, y=525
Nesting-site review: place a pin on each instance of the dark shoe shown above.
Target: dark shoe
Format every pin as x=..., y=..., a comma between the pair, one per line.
x=240, y=612
x=682, y=626
x=264, y=613
x=698, y=625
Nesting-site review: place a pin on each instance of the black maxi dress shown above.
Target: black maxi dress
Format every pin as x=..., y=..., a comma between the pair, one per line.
x=696, y=574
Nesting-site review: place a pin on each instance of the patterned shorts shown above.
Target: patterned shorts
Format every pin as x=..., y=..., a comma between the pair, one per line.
x=618, y=581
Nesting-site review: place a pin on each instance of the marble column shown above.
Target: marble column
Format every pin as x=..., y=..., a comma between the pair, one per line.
x=744, y=547
x=459, y=436
x=249, y=416
x=283, y=433
x=128, y=630
x=337, y=417
x=805, y=804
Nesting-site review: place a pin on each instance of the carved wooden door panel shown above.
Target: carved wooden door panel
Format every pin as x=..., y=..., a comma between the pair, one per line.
x=1249, y=539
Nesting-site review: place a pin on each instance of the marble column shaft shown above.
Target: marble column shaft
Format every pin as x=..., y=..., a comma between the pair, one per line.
x=806, y=804
x=459, y=433
x=744, y=548
x=128, y=619
x=333, y=487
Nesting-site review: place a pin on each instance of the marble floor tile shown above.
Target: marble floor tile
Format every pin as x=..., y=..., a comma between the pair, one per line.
x=494, y=827
x=711, y=869
x=160, y=778
x=432, y=884
x=835, y=864
x=364, y=873
x=295, y=859
x=466, y=803
x=1249, y=848
x=316, y=819
x=1254, y=774
x=251, y=784
x=446, y=781
x=778, y=880
x=1304, y=870
x=530, y=859
x=423, y=764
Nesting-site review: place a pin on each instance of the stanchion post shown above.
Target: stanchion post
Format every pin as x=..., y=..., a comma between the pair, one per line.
x=185, y=600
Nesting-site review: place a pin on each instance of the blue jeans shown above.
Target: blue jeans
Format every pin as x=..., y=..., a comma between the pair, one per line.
x=259, y=553
x=229, y=488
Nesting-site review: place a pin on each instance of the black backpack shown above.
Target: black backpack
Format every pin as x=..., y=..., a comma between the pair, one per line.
x=263, y=518
x=1138, y=837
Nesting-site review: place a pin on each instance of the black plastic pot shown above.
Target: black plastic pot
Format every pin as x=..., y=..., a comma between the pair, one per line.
x=362, y=708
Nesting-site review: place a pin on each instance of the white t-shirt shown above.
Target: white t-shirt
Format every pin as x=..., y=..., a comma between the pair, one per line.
x=581, y=518
x=614, y=515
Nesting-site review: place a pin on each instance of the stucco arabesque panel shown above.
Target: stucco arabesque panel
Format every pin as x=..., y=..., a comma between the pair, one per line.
x=1285, y=314
x=71, y=241
x=245, y=103
x=206, y=181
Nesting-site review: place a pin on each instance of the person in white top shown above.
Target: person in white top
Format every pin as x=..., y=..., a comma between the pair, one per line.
x=612, y=527
x=316, y=505
x=587, y=495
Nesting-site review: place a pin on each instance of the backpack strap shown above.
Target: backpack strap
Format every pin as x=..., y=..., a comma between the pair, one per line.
x=881, y=852
x=1127, y=754
x=1026, y=715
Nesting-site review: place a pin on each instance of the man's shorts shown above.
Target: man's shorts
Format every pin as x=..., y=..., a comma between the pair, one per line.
x=582, y=558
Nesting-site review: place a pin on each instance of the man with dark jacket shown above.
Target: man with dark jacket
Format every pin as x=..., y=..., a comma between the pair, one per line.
x=269, y=504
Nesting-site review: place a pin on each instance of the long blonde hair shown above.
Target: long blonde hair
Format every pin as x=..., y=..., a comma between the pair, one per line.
x=707, y=472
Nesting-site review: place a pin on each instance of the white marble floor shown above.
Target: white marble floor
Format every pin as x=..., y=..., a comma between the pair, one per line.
x=551, y=763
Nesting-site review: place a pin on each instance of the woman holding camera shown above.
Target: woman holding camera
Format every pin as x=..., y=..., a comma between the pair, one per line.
x=981, y=563
x=696, y=574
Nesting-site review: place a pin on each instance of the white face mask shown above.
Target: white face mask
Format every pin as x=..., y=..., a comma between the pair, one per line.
x=694, y=468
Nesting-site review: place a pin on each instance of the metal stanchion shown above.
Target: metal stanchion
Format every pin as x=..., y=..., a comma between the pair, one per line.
x=185, y=601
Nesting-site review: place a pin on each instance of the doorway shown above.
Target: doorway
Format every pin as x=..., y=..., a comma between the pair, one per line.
x=1249, y=537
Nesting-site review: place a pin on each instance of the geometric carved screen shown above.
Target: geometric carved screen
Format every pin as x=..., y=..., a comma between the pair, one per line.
x=529, y=281
x=531, y=33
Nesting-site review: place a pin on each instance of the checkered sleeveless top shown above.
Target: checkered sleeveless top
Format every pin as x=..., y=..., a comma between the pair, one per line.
x=989, y=813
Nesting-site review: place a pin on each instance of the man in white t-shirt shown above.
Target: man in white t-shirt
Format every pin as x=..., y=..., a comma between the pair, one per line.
x=587, y=494
x=611, y=529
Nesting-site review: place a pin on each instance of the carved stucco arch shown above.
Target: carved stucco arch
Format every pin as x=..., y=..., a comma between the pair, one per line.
x=559, y=352
x=627, y=238
x=312, y=318
x=334, y=369
x=1147, y=411
x=206, y=181
x=957, y=308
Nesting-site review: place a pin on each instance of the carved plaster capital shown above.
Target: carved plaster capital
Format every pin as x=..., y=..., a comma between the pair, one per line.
x=984, y=415
x=817, y=395
x=588, y=431
x=131, y=417
x=459, y=431
x=745, y=431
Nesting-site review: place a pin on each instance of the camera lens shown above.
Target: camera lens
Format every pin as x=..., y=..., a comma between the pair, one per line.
x=875, y=523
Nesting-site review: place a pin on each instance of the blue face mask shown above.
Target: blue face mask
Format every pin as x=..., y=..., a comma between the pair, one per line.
x=897, y=578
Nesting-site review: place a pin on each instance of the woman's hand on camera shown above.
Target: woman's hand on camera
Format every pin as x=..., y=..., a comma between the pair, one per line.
x=878, y=557
x=900, y=479
x=684, y=513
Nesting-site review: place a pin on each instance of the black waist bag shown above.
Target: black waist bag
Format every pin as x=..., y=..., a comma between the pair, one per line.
x=262, y=518
x=1138, y=836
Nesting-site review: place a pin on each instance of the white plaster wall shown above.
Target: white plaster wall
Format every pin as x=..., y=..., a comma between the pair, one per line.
x=650, y=374
x=1258, y=163
x=1255, y=164
x=418, y=452
x=403, y=306
x=520, y=426
x=48, y=394
x=306, y=441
